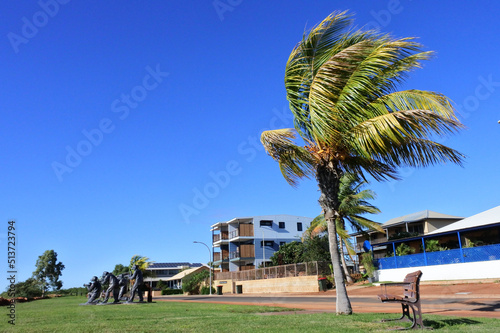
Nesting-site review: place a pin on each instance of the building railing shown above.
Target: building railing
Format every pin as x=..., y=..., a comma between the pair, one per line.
x=218, y=256
x=455, y=256
x=218, y=237
x=245, y=230
x=302, y=269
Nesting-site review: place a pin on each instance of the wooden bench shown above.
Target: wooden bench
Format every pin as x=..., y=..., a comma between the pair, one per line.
x=409, y=299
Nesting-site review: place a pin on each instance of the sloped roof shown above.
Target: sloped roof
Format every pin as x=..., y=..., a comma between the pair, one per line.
x=173, y=265
x=490, y=216
x=182, y=274
x=419, y=216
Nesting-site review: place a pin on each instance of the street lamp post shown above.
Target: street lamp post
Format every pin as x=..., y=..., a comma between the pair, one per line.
x=210, y=260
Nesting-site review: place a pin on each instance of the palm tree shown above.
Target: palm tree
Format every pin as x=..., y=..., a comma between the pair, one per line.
x=353, y=204
x=143, y=263
x=341, y=84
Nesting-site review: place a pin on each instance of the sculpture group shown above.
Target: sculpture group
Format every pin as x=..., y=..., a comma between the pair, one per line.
x=117, y=286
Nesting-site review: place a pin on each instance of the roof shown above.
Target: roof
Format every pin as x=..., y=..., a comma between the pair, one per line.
x=173, y=265
x=490, y=216
x=419, y=216
x=249, y=219
x=185, y=272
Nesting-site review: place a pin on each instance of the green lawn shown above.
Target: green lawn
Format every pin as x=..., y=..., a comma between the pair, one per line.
x=65, y=315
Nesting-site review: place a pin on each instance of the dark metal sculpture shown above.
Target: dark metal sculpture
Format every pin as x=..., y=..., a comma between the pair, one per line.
x=137, y=287
x=112, y=282
x=94, y=288
x=123, y=284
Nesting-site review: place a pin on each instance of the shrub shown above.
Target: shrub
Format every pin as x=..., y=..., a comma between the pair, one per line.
x=432, y=245
x=331, y=282
x=206, y=291
x=357, y=277
x=404, y=250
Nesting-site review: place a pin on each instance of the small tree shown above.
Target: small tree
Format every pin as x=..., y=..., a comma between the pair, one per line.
x=48, y=271
x=191, y=283
x=120, y=269
x=317, y=249
x=289, y=253
x=367, y=262
x=161, y=284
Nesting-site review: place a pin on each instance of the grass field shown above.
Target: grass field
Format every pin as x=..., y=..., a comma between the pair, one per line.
x=65, y=315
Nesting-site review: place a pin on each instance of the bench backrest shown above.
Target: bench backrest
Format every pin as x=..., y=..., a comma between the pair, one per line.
x=413, y=289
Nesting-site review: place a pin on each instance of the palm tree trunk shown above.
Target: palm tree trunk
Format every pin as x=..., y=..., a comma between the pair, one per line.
x=328, y=177
x=344, y=264
x=343, y=305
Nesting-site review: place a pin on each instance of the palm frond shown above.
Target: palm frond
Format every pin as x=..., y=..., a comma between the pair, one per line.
x=318, y=45
x=295, y=162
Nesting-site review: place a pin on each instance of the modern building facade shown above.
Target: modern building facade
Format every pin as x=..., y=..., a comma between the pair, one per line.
x=247, y=242
x=166, y=270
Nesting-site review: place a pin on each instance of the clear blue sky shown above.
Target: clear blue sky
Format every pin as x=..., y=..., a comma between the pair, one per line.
x=158, y=98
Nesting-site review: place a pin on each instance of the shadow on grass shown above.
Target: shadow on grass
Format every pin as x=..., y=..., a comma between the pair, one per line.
x=436, y=324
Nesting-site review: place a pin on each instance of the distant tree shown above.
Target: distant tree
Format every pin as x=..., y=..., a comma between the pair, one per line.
x=29, y=288
x=317, y=249
x=48, y=271
x=161, y=284
x=120, y=269
x=289, y=253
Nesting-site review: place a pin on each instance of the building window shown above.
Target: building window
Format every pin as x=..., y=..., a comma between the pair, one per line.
x=282, y=225
x=299, y=226
x=282, y=243
x=266, y=223
x=267, y=243
x=418, y=228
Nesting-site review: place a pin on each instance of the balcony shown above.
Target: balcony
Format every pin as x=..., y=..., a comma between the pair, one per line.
x=222, y=236
x=218, y=255
x=244, y=230
x=245, y=251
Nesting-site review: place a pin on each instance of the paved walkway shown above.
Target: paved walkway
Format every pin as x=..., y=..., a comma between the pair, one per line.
x=451, y=298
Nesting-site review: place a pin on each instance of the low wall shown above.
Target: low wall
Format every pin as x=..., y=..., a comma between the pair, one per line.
x=156, y=293
x=461, y=271
x=281, y=285
x=227, y=286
